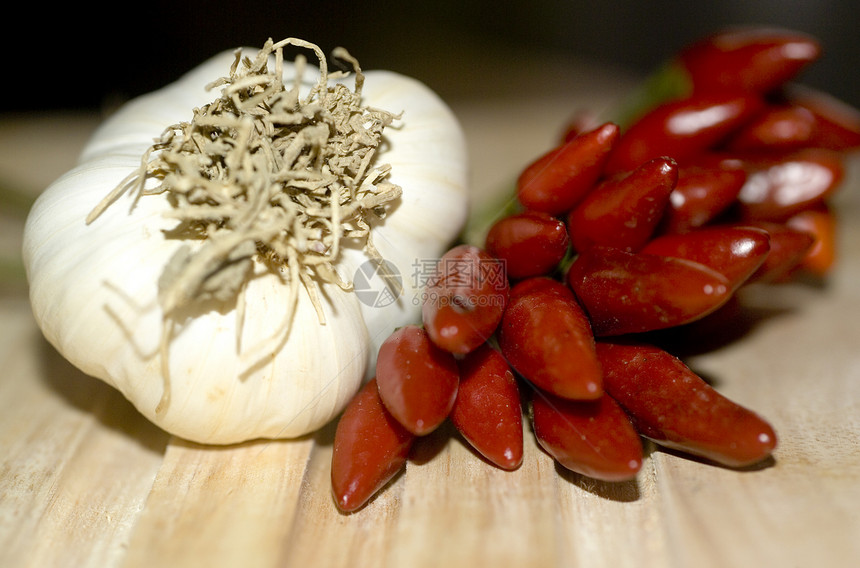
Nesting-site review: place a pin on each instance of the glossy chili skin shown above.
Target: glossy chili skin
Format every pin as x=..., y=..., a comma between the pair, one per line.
x=788, y=247
x=778, y=127
x=546, y=338
x=837, y=124
x=703, y=191
x=820, y=222
x=736, y=252
x=593, y=438
x=624, y=211
x=487, y=411
x=464, y=300
x=779, y=186
x=673, y=406
x=370, y=448
x=625, y=292
x=755, y=59
x=559, y=179
x=417, y=380
x=682, y=128
x=530, y=243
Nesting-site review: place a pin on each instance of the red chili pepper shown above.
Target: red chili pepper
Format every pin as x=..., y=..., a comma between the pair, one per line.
x=788, y=247
x=673, y=406
x=682, y=128
x=546, y=337
x=626, y=292
x=487, y=411
x=821, y=224
x=558, y=180
x=837, y=124
x=733, y=251
x=464, y=299
x=756, y=59
x=594, y=437
x=417, y=380
x=778, y=187
x=370, y=448
x=703, y=192
x=529, y=244
x=780, y=127
x=624, y=211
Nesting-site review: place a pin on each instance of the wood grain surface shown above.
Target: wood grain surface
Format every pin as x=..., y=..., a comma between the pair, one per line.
x=85, y=481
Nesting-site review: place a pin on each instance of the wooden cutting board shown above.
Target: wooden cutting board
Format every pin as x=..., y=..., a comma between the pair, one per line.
x=86, y=481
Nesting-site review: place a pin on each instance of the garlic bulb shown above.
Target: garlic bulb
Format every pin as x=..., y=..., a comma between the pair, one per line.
x=255, y=340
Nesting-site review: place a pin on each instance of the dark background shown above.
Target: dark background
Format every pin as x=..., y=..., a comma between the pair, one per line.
x=83, y=56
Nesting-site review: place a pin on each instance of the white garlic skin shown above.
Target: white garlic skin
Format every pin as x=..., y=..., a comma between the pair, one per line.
x=93, y=288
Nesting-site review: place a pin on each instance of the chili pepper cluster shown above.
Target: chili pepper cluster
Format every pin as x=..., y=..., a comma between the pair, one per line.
x=620, y=232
